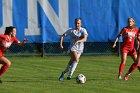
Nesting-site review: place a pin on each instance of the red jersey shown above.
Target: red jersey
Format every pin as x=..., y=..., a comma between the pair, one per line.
x=128, y=36
x=5, y=42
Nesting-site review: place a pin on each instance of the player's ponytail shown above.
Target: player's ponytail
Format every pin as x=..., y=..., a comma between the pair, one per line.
x=8, y=30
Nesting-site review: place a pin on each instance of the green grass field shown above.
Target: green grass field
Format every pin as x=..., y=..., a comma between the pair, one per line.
x=40, y=75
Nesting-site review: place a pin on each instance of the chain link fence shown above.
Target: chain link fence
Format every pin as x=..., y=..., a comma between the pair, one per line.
x=53, y=49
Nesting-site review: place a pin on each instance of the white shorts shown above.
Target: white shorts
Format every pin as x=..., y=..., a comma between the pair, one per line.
x=78, y=53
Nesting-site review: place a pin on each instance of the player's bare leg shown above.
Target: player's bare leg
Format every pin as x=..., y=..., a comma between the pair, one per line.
x=138, y=60
x=122, y=65
x=5, y=65
x=133, y=66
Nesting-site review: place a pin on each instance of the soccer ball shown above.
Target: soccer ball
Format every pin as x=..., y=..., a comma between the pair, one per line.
x=80, y=79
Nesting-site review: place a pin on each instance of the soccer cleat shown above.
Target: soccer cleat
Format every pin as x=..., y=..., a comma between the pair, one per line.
x=69, y=78
x=120, y=77
x=61, y=76
x=126, y=76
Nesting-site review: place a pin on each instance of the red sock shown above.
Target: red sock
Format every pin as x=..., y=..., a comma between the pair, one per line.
x=132, y=68
x=3, y=69
x=121, y=68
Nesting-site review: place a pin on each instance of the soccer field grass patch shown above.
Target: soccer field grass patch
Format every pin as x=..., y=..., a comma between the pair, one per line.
x=40, y=75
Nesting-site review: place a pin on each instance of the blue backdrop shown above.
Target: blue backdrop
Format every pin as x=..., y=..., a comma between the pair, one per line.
x=45, y=20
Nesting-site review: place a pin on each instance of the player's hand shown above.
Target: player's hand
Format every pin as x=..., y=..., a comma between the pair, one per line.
x=138, y=37
x=25, y=40
x=61, y=46
x=114, y=45
x=76, y=41
x=138, y=47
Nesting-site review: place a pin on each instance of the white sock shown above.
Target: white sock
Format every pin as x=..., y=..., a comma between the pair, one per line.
x=73, y=67
x=67, y=69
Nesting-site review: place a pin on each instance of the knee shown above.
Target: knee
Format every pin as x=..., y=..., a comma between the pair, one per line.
x=8, y=64
x=123, y=61
x=77, y=60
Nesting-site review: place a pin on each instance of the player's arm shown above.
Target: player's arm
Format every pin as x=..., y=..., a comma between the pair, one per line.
x=116, y=40
x=138, y=40
x=61, y=41
x=2, y=36
x=62, y=37
x=22, y=43
x=84, y=39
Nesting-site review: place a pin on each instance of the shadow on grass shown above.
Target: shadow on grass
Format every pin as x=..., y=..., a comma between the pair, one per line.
x=53, y=79
x=30, y=79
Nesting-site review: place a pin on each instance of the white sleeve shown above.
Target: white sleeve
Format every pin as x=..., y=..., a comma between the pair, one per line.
x=85, y=32
x=67, y=32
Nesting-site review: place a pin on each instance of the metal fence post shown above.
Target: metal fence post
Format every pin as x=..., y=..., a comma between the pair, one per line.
x=119, y=47
x=42, y=54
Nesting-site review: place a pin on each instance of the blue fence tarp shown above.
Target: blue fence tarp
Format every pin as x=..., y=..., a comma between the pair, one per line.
x=44, y=21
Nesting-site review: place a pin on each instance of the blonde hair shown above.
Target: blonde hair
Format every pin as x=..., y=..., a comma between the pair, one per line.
x=131, y=19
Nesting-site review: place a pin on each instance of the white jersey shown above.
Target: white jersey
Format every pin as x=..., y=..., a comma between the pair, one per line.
x=74, y=36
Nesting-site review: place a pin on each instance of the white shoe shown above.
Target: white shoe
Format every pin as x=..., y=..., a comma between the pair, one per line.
x=120, y=77
x=126, y=76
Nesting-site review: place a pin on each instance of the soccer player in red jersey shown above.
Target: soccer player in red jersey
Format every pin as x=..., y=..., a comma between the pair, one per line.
x=137, y=63
x=6, y=40
x=127, y=47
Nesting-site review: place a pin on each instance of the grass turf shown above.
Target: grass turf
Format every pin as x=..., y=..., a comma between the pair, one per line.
x=40, y=75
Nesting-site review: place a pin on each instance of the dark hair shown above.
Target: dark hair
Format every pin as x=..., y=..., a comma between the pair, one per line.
x=79, y=18
x=8, y=30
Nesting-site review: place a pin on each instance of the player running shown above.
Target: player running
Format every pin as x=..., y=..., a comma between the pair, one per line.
x=127, y=48
x=6, y=40
x=78, y=36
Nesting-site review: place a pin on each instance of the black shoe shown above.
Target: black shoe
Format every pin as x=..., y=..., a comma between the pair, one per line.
x=0, y=81
x=68, y=78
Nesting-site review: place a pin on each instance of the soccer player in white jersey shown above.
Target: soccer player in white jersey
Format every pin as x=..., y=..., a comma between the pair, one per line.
x=78, y=36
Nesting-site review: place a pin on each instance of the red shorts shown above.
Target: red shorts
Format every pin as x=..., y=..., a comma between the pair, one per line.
x=131, y=52
x=1, y=54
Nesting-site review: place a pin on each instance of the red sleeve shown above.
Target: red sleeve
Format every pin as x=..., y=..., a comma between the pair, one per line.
x=122, y=31
x=15, y=40
x=2, y=36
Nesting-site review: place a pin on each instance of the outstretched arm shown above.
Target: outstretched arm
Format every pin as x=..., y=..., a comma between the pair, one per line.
x=23, y=42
